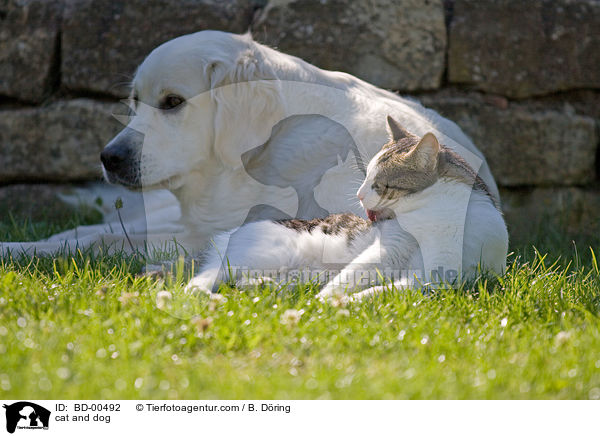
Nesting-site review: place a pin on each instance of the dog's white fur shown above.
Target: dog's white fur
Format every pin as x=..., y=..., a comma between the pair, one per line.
x=236, y=91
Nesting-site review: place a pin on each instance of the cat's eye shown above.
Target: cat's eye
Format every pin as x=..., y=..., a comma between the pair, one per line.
x=171, y=101
x=379, y=186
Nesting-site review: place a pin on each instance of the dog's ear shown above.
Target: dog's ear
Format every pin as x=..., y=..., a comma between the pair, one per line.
x=248, y=103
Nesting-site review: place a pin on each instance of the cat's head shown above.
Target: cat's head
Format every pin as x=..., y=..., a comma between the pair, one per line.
x=405, y=166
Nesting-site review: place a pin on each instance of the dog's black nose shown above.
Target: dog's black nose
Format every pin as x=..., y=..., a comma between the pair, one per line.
x=115, y=157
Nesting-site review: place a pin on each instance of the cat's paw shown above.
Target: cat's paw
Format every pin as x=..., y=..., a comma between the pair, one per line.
x=331, y=290
x=368, y=293
x=375, y=290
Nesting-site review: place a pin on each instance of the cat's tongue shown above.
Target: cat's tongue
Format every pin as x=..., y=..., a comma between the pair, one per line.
x=372, y=215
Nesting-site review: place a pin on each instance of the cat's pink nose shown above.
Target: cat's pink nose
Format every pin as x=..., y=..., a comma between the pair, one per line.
x=360, y=196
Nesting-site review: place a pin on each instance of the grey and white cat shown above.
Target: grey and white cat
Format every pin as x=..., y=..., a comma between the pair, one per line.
x=431, y=219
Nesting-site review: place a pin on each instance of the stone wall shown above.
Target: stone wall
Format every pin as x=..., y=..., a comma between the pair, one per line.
x=522, y=78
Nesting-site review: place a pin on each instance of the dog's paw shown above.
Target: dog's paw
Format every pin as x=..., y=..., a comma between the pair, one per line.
x=199, y=285
x=250, y=282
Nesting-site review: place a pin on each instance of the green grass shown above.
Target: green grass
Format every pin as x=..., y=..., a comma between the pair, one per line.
x=22, y=228
x=88, y=327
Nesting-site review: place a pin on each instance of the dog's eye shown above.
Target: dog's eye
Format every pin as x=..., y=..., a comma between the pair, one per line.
x=171, y=101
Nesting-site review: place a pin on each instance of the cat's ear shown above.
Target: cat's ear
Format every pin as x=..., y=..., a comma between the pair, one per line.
x=425, y=153
x=395, y=132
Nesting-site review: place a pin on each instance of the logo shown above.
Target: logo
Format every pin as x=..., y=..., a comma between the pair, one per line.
x=26, y=415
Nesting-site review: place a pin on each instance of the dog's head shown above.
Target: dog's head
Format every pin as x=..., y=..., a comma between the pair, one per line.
x=195, y=99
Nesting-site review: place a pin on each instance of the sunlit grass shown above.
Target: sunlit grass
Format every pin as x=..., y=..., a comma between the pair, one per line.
x=88, y=327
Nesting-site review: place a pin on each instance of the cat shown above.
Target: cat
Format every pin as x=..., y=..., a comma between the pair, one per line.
x=412, y=185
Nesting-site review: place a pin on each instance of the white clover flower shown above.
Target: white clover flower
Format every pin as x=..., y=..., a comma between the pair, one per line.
x=163, y=298
x=291, y=317
x=128, y=297
x=561, y=338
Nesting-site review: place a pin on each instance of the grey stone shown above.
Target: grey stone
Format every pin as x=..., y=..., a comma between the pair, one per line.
x=29, y=48
x=397, y=44
x=525, y=145
x=59, y=142
x=105, y=40
x=579, y=101
x=573, y=211
x=522, y=48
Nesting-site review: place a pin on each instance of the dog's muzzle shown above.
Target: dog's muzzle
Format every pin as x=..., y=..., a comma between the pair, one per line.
x=121, y=158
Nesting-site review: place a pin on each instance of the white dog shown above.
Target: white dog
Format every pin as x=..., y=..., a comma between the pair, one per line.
x=238, y=131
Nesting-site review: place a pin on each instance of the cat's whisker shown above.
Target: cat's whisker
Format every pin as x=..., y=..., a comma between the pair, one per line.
x=356, y=167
